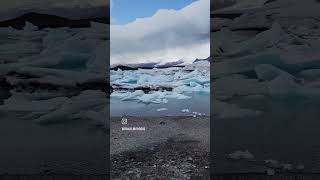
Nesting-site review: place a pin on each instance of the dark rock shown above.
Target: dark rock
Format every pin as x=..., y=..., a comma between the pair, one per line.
x=226, y=15
x=123, y=68
x=198, y=60
x=144, y=89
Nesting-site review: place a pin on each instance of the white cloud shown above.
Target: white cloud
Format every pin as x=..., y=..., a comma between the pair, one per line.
x=112, y=20
x=168, y=35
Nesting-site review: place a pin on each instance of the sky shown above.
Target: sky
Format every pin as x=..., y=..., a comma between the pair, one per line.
x=143, y=32
x=125, y=11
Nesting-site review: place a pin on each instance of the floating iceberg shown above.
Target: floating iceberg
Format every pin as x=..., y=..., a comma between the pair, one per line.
x=237, y=155
x=224, y=110
x=162, y=109
x=55, y=75
x=160, y=85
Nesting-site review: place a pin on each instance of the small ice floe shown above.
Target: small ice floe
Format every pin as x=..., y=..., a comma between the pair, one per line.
x=272, y=163
x=162, y=109
x=225, y=110
x=270, y=172
x=237, y=155
x=165, y=101
x=185, y=110
x=287, y=166
x=156, y=97
x=197, y=113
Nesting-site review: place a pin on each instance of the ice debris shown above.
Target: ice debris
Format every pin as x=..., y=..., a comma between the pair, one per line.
x=161, y=84
x=237, y=155
x=55, y=75
x=162, y=109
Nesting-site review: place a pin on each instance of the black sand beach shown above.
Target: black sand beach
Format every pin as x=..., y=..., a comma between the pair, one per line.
x=170, y=147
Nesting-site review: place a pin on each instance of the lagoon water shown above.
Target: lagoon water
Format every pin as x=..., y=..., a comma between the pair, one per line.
x=287, y=131
x=199, y=103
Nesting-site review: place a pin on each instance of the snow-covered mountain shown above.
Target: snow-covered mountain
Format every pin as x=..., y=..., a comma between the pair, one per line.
x=153, y=64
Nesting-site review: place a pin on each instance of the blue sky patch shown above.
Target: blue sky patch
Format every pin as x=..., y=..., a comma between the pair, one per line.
x=126, y=11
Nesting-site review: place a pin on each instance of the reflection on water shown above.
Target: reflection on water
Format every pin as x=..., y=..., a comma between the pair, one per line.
x=287, y=131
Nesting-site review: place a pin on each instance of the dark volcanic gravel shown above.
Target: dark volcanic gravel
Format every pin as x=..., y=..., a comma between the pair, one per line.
x=176, y=158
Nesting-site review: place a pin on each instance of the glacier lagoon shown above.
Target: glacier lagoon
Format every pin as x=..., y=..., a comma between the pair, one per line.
x=198, y=104
x=173, y=91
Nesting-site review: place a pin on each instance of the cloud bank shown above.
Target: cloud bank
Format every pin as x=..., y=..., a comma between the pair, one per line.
x=169, y=35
